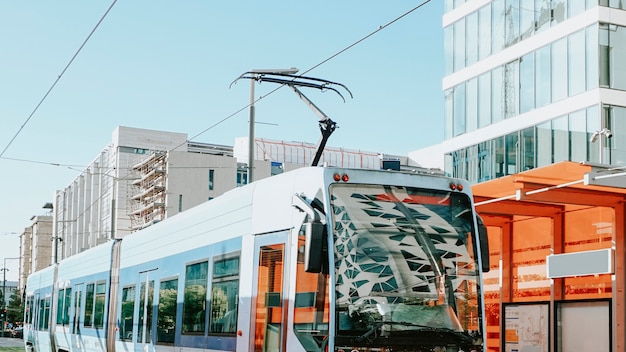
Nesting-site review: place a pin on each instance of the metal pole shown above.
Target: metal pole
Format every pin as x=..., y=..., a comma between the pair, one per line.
x=600, y=137
x=4, y=293
x=251, y=135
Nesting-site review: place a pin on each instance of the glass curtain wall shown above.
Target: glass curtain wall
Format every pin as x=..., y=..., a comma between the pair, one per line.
x=566, y=137
x=562, y=69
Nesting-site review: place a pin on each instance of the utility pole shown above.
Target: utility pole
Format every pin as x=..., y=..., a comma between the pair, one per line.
x=4, y=295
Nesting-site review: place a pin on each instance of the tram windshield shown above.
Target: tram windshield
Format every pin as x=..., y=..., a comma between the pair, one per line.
x=405, y=267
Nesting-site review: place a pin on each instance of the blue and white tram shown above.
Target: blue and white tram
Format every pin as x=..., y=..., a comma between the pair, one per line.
x=316, y=259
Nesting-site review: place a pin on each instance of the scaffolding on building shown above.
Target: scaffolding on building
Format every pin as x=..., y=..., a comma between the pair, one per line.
x=148, y=195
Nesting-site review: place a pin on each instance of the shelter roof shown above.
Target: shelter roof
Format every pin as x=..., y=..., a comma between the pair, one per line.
x=546, y=190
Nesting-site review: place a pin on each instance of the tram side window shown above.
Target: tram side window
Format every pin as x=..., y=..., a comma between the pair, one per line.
x=63, y=306
x=89, y=294
x=98, y=316
x=127, y=313
x=194, y=303
x=28, y=310
x=224, y=299
x=166, y=316
x=94, y=305
x=44, y=313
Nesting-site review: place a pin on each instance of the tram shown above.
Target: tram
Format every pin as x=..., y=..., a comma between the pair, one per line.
x=315, y=259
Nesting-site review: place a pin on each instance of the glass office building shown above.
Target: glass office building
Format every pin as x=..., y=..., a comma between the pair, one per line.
x=529, y=83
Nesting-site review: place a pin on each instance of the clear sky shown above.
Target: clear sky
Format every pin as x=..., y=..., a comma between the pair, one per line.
x=167, y=65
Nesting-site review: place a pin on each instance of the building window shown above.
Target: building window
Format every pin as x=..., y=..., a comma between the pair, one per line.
x=277, y=168
x=242, y=176
x=211, y=179
x=180, y=203
x=459, y=109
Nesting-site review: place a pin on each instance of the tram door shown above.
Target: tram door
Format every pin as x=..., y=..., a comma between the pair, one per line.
x=270, y=305
x=146, y=295
x=75, y=319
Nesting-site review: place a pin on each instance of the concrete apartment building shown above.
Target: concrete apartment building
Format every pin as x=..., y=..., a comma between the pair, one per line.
x=145, y=176
x=36, y=247
x=140, y=178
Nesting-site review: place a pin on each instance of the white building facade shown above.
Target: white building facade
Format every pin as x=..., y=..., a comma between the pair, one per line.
x=105, y=201
x=532, y=82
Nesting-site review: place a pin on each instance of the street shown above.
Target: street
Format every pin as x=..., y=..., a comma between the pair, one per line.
x=10, y=344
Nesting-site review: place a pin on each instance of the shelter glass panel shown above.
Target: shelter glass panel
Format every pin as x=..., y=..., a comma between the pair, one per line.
x=588, y=229
x=583, y=326
x=531, y=243
x=491, y=286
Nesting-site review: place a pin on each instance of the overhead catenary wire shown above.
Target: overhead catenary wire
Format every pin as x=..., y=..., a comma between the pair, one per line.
x=57, y=80
x=378, y=29
x=228, y=117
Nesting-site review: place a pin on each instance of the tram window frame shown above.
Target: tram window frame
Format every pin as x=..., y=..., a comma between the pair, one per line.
x=63, y=306
x=224, y=281
x=200, y=300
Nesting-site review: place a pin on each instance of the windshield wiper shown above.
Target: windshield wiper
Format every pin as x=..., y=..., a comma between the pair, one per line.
x=462, y=338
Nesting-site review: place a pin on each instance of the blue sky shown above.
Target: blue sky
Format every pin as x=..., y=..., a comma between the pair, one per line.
x=167, y=65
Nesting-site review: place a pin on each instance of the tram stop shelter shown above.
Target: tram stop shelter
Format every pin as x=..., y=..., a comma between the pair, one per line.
x=558, y=253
